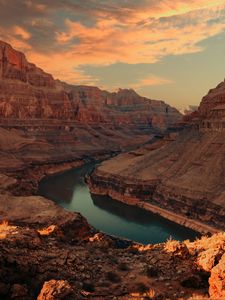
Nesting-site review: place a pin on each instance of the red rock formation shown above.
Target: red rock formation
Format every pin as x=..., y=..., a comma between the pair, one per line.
x=59, y=122
x=211, y=111
x=214, y=98
x=27, y=92
x=13, y=65
x=217, y=280
x=185, y=175
x=56, y=290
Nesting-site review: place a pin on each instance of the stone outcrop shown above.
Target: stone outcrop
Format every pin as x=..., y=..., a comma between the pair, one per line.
x=56, y=290
x=217, y=280
x=38, y=212
x=211, y=112
x=50, y=263
x=214, y=98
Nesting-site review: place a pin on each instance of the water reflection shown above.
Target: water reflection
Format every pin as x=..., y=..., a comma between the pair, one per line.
x=61, y=187
x=108, y=215
x=135, y=214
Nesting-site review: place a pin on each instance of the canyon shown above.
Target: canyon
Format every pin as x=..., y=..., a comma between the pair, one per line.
x=50, y=253
x=46, y=127
x=52, y=121
x=180, y=177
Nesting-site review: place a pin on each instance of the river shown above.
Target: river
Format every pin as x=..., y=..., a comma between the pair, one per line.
x=107, y=215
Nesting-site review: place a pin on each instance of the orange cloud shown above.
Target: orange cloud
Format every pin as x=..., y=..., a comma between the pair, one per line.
x=145, y=34
x=21, y=32
x=152, y=80
x=61, y=67
x=111, y=41
x=167, y=8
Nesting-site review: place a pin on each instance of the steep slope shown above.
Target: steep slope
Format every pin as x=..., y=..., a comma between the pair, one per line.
x=185, y=175
x=71, y=121
x=28, y=92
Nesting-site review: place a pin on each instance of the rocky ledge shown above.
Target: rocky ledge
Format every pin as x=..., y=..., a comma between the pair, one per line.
x=48, y=253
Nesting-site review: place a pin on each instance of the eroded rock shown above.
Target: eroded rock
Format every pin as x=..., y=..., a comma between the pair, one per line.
x=56, y=290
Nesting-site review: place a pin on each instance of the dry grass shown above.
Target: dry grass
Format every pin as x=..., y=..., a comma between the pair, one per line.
x=48, y=230
x=5, y=229
x=216, y=241
x=149, y=294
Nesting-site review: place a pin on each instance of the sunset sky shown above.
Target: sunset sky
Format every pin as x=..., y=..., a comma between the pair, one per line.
x=172, y=50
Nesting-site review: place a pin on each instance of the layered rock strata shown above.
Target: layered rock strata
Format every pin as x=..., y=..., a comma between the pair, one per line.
x=184, y=176
x=57, y=122
x=27, y=93
x=49, y=253
x=210, y=115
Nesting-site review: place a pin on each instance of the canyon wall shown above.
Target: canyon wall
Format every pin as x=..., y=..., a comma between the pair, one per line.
x=211, y=111
x=27, y=92
x=184, y=175
x=59, y=122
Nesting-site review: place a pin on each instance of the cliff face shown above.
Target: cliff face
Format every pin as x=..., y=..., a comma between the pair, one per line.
x=125, y=107
x=59, y=122
x=14, y=66
x=214, y=99
x=27, y=92
x=184, y=175
x=210, y=115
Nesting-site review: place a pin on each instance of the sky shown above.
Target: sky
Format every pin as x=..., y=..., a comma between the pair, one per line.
x=171, y=50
